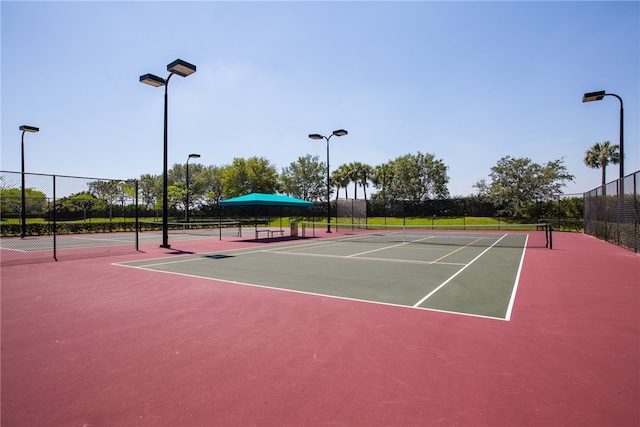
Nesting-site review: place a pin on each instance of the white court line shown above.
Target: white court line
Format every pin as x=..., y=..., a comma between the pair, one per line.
x=457, y=250
x=19, y=250
x=458, y=272
x=125, y=239
x=200, y=257
x=376, y=250
x=515, y=285
x=392, y=260
x=187, y=258
x=190, y=258
x=304, y=245
x=391, y=247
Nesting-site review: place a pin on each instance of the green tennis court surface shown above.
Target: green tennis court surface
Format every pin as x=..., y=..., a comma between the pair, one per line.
x=468, y=273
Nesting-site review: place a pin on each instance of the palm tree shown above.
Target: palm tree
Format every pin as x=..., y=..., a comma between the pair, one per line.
x=353, y=169
x=340, y=178
x=365, y=173
x=600, y=155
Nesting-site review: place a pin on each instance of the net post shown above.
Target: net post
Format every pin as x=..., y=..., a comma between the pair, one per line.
x=550, y=236
x=219, y=223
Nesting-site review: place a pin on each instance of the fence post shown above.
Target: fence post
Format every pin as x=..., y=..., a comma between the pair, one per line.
x=55, y=224
x=619, y=186
x=636, y=214
x=137, y=218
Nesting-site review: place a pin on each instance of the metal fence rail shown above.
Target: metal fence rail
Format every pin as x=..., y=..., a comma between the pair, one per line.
x=611, y=212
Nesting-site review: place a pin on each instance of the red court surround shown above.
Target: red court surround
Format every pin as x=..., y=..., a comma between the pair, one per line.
x=87, y=343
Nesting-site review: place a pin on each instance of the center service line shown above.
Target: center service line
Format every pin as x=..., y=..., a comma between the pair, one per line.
x=458, y=272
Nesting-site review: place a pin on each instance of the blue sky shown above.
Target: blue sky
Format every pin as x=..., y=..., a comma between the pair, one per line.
x=470, y=82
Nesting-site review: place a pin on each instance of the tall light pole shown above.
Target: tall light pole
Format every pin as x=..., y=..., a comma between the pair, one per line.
x=23, y=209
x=191, y=156
x=182, y=69
x=339, y=132
x=597, y=96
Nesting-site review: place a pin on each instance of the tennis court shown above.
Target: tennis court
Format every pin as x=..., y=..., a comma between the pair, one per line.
x=473, y=272
x=163, y=342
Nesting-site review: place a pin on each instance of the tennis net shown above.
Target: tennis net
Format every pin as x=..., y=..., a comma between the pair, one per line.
x=531, y=235
x=213, y=228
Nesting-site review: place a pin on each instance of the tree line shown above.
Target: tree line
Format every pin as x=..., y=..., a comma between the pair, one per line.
x=414, y=177
x=411, y=177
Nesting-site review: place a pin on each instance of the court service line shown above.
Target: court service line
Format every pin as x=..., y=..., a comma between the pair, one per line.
x=303, y=245
x=458, y=272
x=459, y=249
x=375, y=250
x=391, y=247
x=393, y=260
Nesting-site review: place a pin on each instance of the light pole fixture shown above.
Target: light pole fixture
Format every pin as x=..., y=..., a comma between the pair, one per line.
x=23, y=206
x=597, y=96
x=339, y=132
x=191, y=156
x=182, y=69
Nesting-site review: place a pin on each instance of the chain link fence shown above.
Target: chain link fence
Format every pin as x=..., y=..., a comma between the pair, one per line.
x=564, y=212
x=353, y=210
x=611, y=212
x=59, y=217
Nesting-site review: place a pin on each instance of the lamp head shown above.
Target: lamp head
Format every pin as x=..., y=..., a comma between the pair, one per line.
x=181, y=68
x=340, y=132
x=593, y=96
x=26, y=128
x=316, y=136
x=152, y=80
x=194, y=156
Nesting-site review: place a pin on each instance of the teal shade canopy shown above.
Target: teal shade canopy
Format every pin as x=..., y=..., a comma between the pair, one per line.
x=261, y=199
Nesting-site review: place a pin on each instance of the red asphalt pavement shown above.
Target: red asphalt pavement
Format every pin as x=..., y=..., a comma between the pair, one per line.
x=88, y=343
